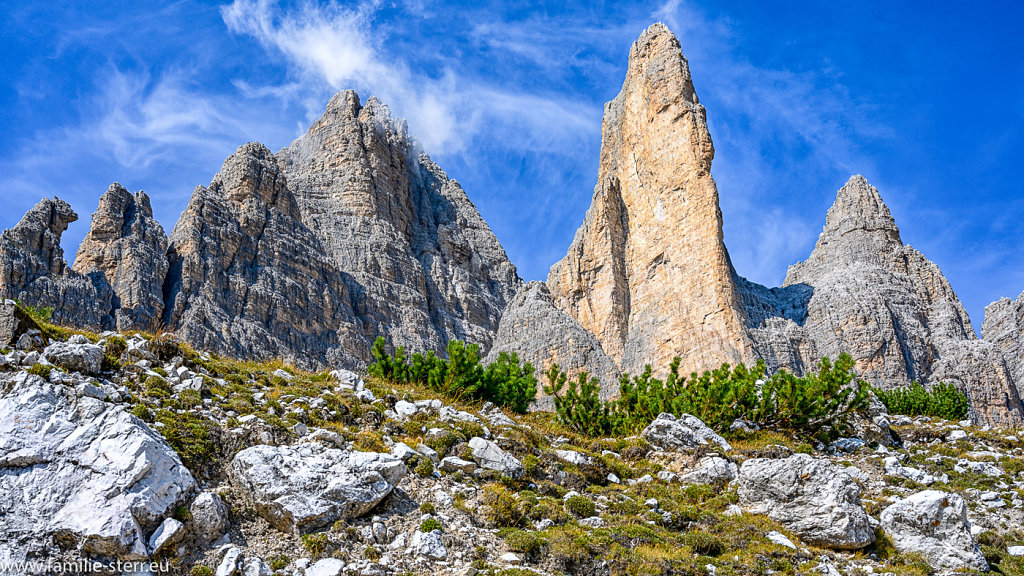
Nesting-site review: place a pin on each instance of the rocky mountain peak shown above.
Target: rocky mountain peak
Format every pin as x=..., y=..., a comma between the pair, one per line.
x=40, y=230
x=422, y=265
x=858, y=229
x=541, y=334
x=648, y=272
x=345, y=107
x=859, y=209
x=657, y=54
x=33, y=269
x=247, y=278
x=251, y=174
x=126, y=247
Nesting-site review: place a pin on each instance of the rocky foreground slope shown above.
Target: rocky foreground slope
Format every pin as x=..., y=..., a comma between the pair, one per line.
x=133, y=449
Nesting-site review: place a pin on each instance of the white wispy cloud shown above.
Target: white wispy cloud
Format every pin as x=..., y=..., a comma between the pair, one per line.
x=337, y=47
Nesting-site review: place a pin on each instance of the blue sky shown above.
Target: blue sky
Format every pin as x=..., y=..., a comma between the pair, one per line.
x=926, y=99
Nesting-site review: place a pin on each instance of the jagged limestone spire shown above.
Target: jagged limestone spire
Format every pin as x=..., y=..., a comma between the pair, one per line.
x=648, y=272
x=127, y=246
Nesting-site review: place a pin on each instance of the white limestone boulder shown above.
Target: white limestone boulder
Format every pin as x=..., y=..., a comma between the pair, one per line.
x=80, y=470
x=682, y=434
x=934, y=524
x=308, y=486
x=811, y=497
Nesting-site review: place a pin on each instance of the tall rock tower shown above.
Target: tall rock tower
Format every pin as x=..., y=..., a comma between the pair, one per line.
x=648, y=272
x=128, y=248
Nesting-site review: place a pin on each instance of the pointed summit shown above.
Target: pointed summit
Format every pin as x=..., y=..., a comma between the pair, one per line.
x=248, y=279
x=891, y=309
x=127, y=247
x=858, y=229
x=648, y=272
x=859, y=209
x=412, y=249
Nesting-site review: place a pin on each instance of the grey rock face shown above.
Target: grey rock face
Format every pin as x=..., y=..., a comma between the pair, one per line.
x=248, y=279
x=428, y=544
x=1004, y=328
x=209, y=516
x=370, y=238
x=489, y=455
x=128, y=247
x=421, y=265
x=82, y=470
x=685, y=433
x=13, y=322
x=810, y=496
x=33, y=269
x=77, y=355
x=863, y=292
x=934, y=524
x=541, y=334
x=309, y=486
x=713, y=470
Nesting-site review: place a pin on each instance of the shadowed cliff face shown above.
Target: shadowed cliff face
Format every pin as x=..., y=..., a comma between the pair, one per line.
x=308, y=255
x=648, y=272
x=247, y=278
x=421, y=264
x=33, y=269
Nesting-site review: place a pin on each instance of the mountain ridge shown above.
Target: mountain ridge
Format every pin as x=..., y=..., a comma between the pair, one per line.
x=351, y=232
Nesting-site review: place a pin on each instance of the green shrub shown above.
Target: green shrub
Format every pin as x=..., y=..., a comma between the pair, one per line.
x=115, y=347
x=702, y=543
x=431, y=524
x=279, y=562
x=941, y=401
x=580, y=506
x=531, y=544
x=157, y=387
x=182, y=514
x=368, y=441
x=580, y=407
x=819, y=403
x=41, y=370
x=425, y=468
x=201, y=570
x=190, y=436
x=316, y=544
x=442, y=444
x=503, y=509
x=428, y=508
x=190, y=398
x=41, y=314
x=531, y=464
x=142, y=412
x=505, y=381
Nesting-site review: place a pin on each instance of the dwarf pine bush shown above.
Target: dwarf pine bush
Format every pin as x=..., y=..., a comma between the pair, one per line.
x=941, y=401
x=816, y=405
x=505, y=381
